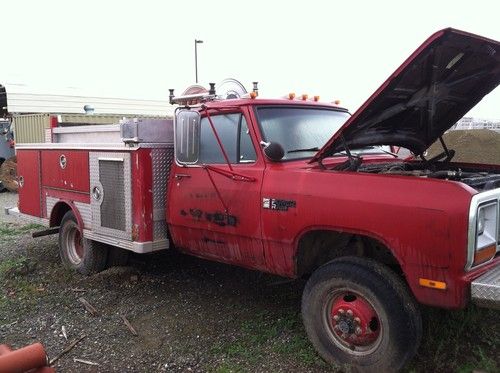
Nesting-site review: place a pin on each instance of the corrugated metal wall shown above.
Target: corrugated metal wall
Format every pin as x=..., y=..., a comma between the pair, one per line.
x=30, y=128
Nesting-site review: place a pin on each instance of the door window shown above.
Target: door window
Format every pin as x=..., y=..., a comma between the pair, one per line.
x=234, y=134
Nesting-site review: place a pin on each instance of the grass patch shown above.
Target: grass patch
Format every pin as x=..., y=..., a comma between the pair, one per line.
x=268, y=335
x=460, y=341
x=9, y=230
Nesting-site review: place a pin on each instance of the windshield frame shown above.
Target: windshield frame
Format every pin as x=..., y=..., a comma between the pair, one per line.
x=297, y=106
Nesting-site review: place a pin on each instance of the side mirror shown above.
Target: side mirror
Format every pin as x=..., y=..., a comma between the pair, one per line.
x=274, y=151
x=187, y=136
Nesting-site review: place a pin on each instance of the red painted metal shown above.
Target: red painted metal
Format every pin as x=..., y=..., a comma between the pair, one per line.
x=353, y=320
x=142, y=195
x=28, y=171
x=73, y=177
x=83, y=197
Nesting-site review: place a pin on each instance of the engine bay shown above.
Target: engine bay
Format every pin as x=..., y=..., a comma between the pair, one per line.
x=477, y=178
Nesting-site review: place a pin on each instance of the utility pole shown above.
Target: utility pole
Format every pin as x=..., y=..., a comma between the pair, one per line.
x=196, y=42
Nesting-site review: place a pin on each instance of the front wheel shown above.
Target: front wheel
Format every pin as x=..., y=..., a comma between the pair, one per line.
x=79, y=253
x=358, y=313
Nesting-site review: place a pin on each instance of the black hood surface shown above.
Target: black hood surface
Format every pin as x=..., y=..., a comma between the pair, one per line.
x=439, y=83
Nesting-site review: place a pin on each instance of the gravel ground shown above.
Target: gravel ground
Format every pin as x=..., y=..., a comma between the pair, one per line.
x=189, y=314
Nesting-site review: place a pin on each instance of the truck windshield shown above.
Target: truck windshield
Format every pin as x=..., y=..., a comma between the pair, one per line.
x=302, y=131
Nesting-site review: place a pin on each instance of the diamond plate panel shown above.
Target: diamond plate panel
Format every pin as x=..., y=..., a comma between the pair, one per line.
x=85, y=213
x=50, y=202
x=162, y=161
x=97, y=204
x=159, y=230
x=485, y=290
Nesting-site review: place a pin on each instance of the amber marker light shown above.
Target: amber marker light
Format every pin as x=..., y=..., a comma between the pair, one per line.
x=253, y=95
x=336, y=102
x=483, y=255
x=316, y=98
x=291, y=95
x=304, y=97
x=432, y=284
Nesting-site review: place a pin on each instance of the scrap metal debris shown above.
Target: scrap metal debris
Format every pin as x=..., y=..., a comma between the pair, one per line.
x=129, y=326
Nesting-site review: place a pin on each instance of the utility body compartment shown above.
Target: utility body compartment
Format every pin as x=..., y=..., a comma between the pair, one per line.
x=116, y=186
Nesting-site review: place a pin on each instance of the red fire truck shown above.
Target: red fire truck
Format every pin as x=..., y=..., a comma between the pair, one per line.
x=297, y=187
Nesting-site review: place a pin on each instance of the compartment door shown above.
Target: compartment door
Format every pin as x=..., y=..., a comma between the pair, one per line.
x=110, y=190
x=28, y=171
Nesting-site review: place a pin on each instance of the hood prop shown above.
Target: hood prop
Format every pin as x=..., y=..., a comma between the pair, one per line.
x=353, y=161
x=447, y=153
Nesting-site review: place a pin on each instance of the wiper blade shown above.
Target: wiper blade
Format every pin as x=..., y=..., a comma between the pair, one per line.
x=315, y=149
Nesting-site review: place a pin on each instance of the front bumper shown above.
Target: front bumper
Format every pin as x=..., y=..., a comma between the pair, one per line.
x=485, y=290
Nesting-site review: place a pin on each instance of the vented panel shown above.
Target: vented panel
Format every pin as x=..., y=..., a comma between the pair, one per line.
x=113, y=201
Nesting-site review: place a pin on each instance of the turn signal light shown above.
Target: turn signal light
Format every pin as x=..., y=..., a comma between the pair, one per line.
x=483, y=255
x=432, y=284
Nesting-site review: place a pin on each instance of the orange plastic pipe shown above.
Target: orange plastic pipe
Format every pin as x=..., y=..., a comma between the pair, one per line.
x=24, y=359
x=44, y=370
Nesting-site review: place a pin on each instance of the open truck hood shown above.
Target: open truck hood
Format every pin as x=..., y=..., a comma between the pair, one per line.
x=439, y=83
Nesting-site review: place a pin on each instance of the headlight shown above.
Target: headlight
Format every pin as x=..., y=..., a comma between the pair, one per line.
x=486, y=232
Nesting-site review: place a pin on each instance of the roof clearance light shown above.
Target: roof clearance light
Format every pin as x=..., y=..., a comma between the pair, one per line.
x=304, y=97
x=316, y=98
x=253, y=95
x=336, y=102
x=291, y=95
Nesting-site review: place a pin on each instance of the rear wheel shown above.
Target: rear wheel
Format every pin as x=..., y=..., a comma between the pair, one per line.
x=79, y=253
x=359, y=313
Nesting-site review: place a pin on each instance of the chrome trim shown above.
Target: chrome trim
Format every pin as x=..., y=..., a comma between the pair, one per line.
x=93, y=146
x=136, y=247
x=476, y=201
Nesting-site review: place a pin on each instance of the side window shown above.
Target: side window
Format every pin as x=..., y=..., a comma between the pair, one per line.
x=234, y=135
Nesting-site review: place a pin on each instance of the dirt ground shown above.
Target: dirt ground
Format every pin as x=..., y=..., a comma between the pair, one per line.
x=482, y=146
x=191, y=315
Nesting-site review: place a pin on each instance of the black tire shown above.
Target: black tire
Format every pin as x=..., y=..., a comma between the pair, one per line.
x=393, y=333
x=79, y=253
x=117, y=257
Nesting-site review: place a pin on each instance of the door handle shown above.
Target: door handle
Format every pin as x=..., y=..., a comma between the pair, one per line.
x=180, y=176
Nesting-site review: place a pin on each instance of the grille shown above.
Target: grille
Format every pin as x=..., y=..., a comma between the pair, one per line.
x=111, y=176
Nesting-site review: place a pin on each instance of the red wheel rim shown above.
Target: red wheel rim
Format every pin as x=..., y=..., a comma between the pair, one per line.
x=353, y=322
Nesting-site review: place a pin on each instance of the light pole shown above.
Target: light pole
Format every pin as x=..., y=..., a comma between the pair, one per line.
x=196, y=42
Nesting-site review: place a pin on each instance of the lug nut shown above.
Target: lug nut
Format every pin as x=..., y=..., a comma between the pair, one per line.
x=341, y=311
x=349, y=312
x=336, y=327
x=336, y=318
x=357, y=320
x=358, y=331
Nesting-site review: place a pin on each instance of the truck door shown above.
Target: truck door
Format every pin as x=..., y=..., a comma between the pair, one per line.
x=211, y=212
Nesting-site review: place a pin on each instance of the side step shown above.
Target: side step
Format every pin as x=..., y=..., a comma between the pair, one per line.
x=485, y=290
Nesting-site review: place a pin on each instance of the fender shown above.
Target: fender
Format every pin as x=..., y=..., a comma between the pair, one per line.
x=59, y=210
